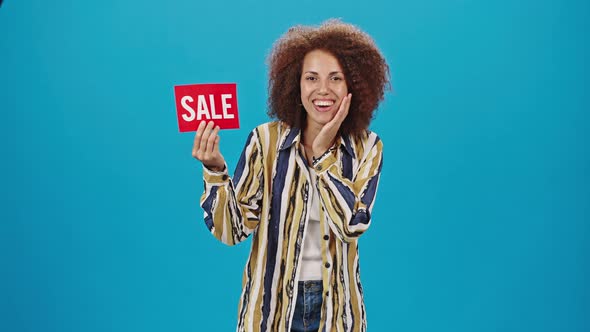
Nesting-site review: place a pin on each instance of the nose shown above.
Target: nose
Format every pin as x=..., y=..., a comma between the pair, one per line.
x=323, y=88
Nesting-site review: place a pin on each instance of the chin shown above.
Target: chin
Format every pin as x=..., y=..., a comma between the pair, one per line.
x=324, y=120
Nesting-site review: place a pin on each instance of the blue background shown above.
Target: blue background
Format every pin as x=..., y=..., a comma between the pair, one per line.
x=482, y=216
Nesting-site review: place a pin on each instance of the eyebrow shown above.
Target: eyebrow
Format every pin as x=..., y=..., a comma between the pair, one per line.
x=315, y=73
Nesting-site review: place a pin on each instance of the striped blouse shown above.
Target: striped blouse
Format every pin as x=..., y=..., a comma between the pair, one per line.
x=268, y=198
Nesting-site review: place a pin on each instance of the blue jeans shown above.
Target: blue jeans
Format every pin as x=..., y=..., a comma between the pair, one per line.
x=308, y=309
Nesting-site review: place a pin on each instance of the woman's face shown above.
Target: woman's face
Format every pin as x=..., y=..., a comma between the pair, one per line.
x=323, y=86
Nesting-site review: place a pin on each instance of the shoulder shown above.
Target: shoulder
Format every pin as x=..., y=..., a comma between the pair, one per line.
x=271, y=127
x=372, y=137
x=364, y=145
x=269, y=133
x=367, y=140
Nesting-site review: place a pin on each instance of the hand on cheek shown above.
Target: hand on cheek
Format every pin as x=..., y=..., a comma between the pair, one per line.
x=327, y=135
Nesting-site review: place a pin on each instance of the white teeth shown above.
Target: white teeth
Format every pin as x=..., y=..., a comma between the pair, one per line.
x=323, y=103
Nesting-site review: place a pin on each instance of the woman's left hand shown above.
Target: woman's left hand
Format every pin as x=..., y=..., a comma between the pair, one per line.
x=326, y=136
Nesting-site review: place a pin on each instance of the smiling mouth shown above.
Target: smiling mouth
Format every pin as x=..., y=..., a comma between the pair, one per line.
x=323, y=105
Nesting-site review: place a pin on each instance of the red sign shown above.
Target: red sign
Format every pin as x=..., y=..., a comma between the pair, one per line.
x=209, y=102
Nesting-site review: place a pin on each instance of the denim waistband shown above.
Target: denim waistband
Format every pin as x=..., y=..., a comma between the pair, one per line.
x=311, y=285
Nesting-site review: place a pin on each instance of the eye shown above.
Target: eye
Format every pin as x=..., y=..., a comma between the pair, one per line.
x=337, y=78
x=310, y=78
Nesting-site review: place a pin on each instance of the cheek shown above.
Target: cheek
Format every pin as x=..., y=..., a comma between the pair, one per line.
x=344, y=90
x=304, y=93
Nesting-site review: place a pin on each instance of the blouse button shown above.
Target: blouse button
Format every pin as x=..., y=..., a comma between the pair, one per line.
x=326, y=237
x=224, y=177
x=327, y=265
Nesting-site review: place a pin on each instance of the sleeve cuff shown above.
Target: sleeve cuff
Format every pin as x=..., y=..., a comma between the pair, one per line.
x=215, y=177
x=326, y=160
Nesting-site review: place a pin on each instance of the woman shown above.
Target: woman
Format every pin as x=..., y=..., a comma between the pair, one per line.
x=304, y=185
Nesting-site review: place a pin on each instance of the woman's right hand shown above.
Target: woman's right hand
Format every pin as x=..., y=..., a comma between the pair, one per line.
x=206, y=147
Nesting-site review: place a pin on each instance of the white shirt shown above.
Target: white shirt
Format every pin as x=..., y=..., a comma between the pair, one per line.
x=311, y=264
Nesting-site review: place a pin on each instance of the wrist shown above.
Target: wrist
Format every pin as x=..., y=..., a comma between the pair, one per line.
x=318, y=152
x=318, y=157
x=215, y=168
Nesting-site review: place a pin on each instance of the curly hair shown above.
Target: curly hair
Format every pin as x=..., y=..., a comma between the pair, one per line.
x=364, y=68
